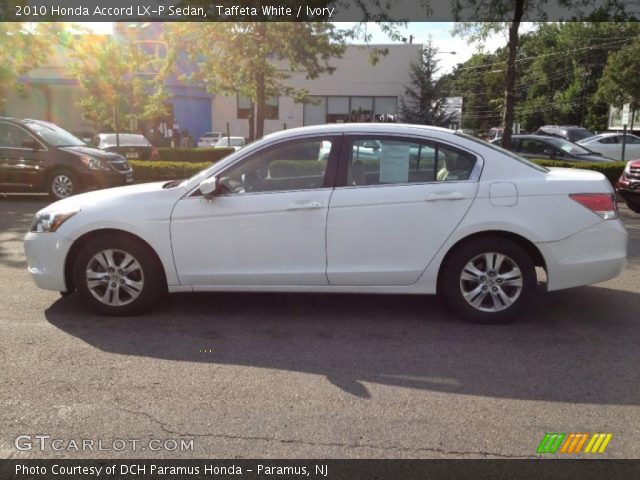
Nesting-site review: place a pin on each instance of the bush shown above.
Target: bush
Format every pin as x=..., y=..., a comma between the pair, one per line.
x=193, y=155
x=153, y=171
x=611, y=170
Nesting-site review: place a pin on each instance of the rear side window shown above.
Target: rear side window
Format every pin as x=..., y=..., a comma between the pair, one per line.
x=383, y=161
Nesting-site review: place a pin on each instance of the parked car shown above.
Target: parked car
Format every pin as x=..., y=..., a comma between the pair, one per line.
x=133, y=146
x=610, y=145
x=209, y=139
x=234, y=142
x=272, y=218
x=552, y=148
x=42, y=157
x=573, y=133
x=628, y=185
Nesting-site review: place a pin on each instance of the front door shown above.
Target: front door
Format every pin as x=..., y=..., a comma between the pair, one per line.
x=395, y=209
x=20, y=165
x=267, y=226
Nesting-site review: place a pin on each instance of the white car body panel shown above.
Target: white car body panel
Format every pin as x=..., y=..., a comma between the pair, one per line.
x=369, y=239
x=258, y=238
x=613, y=150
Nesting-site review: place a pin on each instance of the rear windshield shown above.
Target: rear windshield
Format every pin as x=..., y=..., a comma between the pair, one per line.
x=126, y=139
x=503, y=151
x=576, y=134
x=233, y=141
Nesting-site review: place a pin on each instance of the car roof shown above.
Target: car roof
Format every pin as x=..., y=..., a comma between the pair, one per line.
x=356, y=128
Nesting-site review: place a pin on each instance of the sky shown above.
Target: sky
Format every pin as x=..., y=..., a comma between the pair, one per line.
x=439, y=32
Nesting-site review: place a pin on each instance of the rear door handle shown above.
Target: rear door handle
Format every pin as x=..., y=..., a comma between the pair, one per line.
x=306, y=205
x=432, y=197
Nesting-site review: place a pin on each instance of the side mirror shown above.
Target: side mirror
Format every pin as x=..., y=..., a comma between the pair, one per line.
x=32, y=144
x=209, y=186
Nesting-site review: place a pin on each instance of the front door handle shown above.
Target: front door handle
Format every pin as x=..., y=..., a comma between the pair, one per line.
x=305, y=205
x=432, y=197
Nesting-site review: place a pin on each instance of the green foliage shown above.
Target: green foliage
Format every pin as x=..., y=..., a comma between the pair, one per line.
x=423, y=102
x=193, y=155
x=611, y=170
x=153, y=171
x=620, y=82
x=255, y=59
x=560, y=66
x=22, y=48
x=115, y=91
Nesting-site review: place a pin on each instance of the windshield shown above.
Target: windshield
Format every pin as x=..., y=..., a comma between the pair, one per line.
x=233, y=142
x=128, y=139
x=54, y=135
x=579, y=134
x=569, y=147
x=503, y=151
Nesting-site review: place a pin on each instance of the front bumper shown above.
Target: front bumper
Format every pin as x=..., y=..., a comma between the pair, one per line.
x=46, y=254
x=594, y=255
x=629, y=189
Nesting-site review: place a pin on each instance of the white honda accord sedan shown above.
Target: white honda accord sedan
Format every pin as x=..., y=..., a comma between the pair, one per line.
x=393, y=209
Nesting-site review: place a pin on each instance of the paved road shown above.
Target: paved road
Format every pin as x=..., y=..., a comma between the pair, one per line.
x=275, y=375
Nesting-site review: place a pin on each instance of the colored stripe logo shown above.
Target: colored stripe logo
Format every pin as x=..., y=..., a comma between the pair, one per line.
x=556, y=442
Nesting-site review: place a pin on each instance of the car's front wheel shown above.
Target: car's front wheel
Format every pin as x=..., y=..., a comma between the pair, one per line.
x=489, y=280
x=62, y=184
x=118, y=275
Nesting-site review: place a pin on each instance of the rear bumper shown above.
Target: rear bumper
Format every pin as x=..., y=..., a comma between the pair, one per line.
x=46, y=254
x=591, y=256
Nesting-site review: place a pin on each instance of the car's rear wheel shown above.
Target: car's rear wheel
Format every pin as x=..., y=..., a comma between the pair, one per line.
x=62, y=184
x=118, y=275
x=489, y=280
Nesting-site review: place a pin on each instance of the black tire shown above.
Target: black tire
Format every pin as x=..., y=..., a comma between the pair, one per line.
x=62, y=184
x=633, y=206
x=500, y=295
x=145, y=281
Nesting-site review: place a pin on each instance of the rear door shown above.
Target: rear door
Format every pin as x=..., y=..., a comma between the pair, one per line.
x=391, y=212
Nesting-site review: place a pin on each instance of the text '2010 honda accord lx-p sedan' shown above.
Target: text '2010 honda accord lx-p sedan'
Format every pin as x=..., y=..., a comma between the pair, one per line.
x=390, y=209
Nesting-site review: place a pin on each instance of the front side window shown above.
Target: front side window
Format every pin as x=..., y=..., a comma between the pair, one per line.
x=12, y=136
x=294, y=165
x=532, y=147
x=380, y=161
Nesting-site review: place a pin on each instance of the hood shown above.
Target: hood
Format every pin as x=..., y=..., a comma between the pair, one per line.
x=130, y=194
x=93, y=152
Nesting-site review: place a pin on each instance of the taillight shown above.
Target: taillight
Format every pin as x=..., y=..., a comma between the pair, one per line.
x=602, y=204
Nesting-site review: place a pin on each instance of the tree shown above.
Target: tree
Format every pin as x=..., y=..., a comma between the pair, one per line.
x=117, y=87
x=423, y=102
x=255, y=59
x=620, y=82
x=21, y=49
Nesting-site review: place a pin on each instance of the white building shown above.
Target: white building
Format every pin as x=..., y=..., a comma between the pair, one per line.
x=356, y=91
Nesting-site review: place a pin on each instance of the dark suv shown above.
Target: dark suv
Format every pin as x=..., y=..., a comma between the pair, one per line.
x=573, y=133
x=42, y=157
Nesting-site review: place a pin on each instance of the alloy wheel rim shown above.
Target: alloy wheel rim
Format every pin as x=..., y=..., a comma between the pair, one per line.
x=114, y=277
x=491, y=282
x=62, y=186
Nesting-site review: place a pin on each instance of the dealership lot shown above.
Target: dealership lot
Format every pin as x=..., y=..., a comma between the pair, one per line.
x=287, y=375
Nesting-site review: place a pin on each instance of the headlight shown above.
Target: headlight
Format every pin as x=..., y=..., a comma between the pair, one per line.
x=627, y=168
x=50, y=222
x=93, y=163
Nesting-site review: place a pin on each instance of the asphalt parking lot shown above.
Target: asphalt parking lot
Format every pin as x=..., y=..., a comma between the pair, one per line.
x=314, y=376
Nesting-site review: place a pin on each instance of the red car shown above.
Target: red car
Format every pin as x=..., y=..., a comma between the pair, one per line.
x=628, y=185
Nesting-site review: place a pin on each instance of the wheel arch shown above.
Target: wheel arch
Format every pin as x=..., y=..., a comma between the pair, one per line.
x=83, y=240
x=527, y=245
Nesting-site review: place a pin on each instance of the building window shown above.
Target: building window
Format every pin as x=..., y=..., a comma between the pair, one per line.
x=341, y=109
x=271, y=109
